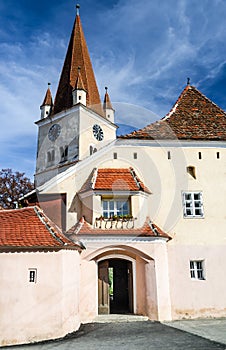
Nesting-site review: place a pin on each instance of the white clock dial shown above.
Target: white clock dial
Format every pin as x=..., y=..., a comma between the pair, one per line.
x=54, y=132
x=98, y=132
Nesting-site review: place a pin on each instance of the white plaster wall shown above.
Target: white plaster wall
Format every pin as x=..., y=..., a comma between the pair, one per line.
x=193, y=298
x=47, y=309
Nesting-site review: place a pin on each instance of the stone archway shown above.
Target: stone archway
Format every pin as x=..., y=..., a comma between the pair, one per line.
x=115, y=286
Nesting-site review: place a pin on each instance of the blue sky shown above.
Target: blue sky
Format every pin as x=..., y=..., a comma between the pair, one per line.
x=142, y=50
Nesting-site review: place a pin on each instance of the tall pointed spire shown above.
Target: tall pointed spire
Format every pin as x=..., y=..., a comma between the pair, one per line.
x=77, y=56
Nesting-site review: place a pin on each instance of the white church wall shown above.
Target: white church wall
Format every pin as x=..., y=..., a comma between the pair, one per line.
x=47, y=308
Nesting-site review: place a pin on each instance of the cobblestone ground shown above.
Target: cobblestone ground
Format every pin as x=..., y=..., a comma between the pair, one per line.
x=127, y=336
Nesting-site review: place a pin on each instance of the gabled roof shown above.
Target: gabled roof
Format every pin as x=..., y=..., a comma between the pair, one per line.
x=193, y=117
x=114, y=179
x=30, y=228
x=149, y=229
x=48, y=101
x=77, y=56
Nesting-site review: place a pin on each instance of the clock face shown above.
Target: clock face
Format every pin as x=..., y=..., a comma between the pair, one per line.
x=98, y=132
x=54, y=132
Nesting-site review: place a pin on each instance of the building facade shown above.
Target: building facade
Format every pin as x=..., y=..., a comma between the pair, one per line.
x=148, y=207
x=150, y=203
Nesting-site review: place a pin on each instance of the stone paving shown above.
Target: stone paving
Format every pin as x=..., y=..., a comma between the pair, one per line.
x=144, y=335
x=213, y=329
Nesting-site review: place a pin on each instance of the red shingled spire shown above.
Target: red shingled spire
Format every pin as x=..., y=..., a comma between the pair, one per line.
x=107, y=101
x=77, y=56
x=48, y=101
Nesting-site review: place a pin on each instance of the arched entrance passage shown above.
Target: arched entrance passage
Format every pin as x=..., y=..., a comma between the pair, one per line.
x=115, y=286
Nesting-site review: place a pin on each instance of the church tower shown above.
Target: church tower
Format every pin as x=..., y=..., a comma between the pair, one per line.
x=76, y=123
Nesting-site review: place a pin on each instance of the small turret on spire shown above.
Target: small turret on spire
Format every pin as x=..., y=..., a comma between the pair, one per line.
x=79, y=91
x=47, y=104
x=77, y=9
x=107, y=106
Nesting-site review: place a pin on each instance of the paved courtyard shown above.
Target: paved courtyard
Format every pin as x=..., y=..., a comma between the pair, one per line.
x=128, y=336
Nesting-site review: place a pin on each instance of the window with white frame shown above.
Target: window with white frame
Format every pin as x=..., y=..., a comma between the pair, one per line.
x=115, y=207
x=193, y=204
x=197, y=269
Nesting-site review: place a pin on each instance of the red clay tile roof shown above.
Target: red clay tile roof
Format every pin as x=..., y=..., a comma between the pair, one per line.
x=48, y=101
x=77, y=56
x=111, y=179
x=193, y=117
x=149, y=229
x=30, y=228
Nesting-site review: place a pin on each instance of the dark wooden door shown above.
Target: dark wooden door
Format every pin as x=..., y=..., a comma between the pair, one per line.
x=103, y=288
x=122, y=299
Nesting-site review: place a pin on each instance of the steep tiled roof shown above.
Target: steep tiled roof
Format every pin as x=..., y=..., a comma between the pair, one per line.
x=111, y=179
x=193, y=117
x=149, y=229
x=48, y=101
x=77, y=56
x=30, y=228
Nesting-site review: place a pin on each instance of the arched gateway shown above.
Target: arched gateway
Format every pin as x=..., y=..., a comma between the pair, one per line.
x=115, y=286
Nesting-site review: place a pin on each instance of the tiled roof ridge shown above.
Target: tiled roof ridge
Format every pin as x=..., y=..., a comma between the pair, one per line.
x=193, y=117
x=188, y=87
x=207, y=99
x=94, y=178
x=79, y=225
x=108, y=178
x=174, y=107
x=144, y=230
x=139, y=184
x=29, y=227
x=50, y=226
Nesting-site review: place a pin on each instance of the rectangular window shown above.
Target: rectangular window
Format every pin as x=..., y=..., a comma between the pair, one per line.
x=200, y=155
x=115, y=156
x=169, y=155
x=193, y=204
x=197, y=269
x=119, y=207
x=32, y=275
x=134, y=155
